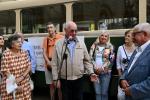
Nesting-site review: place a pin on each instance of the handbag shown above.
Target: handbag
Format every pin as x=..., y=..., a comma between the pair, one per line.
x=31, y=84
x=11, y=85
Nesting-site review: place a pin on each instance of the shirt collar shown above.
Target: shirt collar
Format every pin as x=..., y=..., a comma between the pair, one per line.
x=52, y=38
x=75, y=40
x=142, y=47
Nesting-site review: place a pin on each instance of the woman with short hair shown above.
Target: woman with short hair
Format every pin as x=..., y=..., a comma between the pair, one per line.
x=15, y=61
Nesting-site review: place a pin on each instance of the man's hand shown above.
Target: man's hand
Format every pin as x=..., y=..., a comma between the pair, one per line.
x=94, y=78
x=127, y=91
x=124, y=84
x=98, y=70
x=49, y=65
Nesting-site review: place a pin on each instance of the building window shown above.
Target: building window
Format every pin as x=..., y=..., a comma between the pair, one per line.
x=148, y=11
x=7, y=22
x=120, y=14
x=34, y=19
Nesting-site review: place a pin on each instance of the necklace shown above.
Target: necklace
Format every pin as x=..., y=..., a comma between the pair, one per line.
x=130, y=48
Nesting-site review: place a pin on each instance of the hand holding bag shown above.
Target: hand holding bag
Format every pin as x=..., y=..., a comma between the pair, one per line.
x=11, y=85
x=31, y=84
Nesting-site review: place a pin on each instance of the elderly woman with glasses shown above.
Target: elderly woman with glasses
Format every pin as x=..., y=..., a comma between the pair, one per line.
x=15, y=62
x=102, y=64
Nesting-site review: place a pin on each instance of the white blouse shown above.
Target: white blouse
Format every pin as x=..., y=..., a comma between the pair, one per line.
x=120, y=56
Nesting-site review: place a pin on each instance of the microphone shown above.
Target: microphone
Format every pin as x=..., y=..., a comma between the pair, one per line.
x=69, y=39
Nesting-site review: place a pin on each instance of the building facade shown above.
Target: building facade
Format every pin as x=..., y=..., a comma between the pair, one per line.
x=31, y=16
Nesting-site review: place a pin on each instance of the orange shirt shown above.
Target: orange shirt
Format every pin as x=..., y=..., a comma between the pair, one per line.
x=49, y=43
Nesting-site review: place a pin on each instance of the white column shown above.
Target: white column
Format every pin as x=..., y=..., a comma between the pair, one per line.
x=18, y=20
x=142, y=11
x=69, y=11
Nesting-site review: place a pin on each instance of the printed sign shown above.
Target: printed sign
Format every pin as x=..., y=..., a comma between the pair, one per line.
x=37, y=42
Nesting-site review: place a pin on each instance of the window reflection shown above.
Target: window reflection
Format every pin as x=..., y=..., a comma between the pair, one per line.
x=7, y=22
x=118, y=14
x=35, y=19
x=148, y=11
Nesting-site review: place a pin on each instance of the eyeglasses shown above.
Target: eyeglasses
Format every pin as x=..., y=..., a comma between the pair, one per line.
x=73, y=31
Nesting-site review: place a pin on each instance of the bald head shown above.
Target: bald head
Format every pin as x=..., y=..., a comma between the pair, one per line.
x=71, y=29
x=70, y=24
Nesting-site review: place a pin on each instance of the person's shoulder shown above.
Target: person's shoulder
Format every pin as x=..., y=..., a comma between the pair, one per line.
x=120, y=47
x=6, y=51
x=25, y=42
x=60, y=41
x=58, y=35
x=45, y=38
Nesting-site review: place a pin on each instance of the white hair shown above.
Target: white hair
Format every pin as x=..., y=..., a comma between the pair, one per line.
x=142, y=27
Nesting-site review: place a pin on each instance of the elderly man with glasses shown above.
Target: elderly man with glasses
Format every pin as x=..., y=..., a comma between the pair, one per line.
x=69, y=63
x=135, y=81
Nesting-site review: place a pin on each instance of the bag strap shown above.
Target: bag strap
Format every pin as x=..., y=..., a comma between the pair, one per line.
x=125, y=52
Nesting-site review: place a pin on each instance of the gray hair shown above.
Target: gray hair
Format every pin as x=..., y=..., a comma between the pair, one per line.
x=145, y=27
x=67, y=25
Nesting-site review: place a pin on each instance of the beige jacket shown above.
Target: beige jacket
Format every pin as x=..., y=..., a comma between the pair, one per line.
x=81, y=61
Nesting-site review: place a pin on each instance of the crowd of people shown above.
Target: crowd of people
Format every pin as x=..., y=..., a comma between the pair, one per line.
x=67, y=60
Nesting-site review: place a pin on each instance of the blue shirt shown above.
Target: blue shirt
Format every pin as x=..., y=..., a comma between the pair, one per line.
x=28, y=47
x=71, y=47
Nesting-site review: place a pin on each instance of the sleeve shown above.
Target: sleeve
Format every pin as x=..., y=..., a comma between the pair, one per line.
x=87, y=61
x=28, y=63
x=140, y=90
x=91, y=54
x=33, y=58
x=5, y=63
x=44, y=46
x=118, y=59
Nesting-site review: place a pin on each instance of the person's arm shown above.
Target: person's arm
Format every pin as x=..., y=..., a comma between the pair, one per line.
x=88, y=65
x=142, y=88
x=87, y=61
x=28, y=69
x=5, y=65
x=91, y=54
x=48, y=62
x=118, y=62
x=33, y=59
